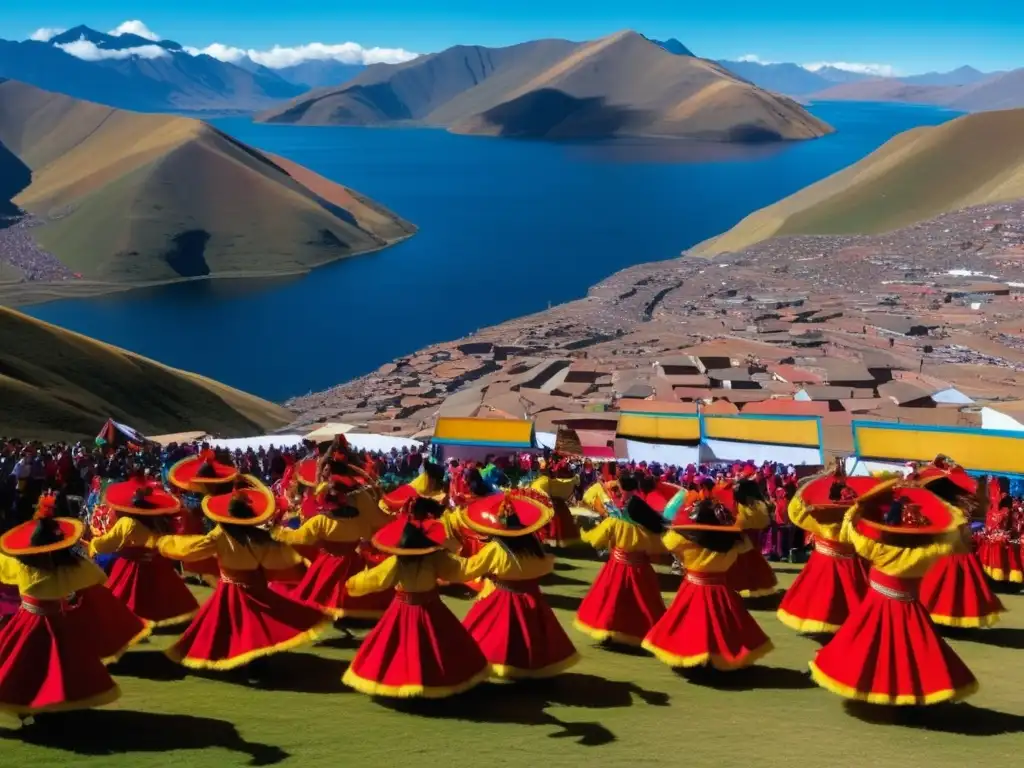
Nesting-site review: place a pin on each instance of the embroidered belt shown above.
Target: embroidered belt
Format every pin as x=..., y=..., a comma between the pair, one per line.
x=629, y=558
x=833, y=549
x=706, y=579
x=137, y=555
x=416, y=598
x=892, y=587
x=243, y=579
x=41, y=607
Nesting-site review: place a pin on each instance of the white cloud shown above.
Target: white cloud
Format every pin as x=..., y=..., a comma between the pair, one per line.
x=134, y=27
x=753, y=58
x=283, y=56
x=876, y=70
x=45, y=34
x=89, y=51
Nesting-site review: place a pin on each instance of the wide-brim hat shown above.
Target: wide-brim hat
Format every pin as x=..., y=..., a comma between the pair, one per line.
x=934, y=517
x=254, y=495
x=394, y=502
x=306, y=473
x=518, y=512
x=814, y=495
x=678, y=511
x=184, y=473
x=956, y=475
x=406, y=536
x=125, y=496
x=18, y=540
x=662, y=494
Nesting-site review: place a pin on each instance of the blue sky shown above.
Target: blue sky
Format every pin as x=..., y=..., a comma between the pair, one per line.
x=910, y=35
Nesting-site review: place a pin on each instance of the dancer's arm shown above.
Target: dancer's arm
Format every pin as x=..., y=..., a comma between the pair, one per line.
x=753, y=516
x=600, y=536
x=376, y=579
x=487, y=560
x=309, y=533
x=114, y=539
x=188, y=548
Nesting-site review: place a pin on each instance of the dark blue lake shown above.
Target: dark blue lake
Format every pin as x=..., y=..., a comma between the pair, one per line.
x=506, y=228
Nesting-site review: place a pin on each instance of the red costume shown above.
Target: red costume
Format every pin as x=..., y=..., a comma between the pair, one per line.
x=751, y=575
x=888, y=650
x=560, y=485
x=999, y=549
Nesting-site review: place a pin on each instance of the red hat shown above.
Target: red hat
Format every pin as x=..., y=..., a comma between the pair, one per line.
x=195, y=472
x=662, y=494
x=45, y=533
x=943, y=468
x=394, y=501
x=722, y=517
x=406, y=536
x=921, y=513
x=517, y=512
x=251, y=503
x=817, y=494
x=138, y=497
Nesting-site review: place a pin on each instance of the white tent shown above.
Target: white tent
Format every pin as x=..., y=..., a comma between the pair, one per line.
x=375, y=442
x=263, y=441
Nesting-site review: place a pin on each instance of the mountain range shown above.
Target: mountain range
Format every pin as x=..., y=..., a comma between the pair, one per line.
x=622, y=84
x=917, y=175
x=125, y=197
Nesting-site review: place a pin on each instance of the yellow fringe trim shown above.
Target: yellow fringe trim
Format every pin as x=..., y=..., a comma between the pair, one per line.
x=754, y=593
x=175, y=620
x=968, y=622
x=147, y=630
x=718, y=662
x=372, y=688
x=516, y=673
x=806, y=626
x=998, y=574
x=903, y=700
x=102, y=699
x=601, y=635
x=238, y=661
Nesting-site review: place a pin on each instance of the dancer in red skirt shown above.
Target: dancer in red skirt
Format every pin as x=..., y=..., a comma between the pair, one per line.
x=751, y=575
x=48, y=664
x=244, y=619
x=147, y=583
x=888, y=650
x=462, y=539
x=954, y=590
x=834, y=580
x=513, y=624
x=430, y=483
x=418, y=648
x=625, y=600
x=195, y=477
x=999, y=548
x=707, y=623
x=559, y=483
x=337, y=530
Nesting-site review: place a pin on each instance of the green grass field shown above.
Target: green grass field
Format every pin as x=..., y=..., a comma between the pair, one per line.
x=612, y=709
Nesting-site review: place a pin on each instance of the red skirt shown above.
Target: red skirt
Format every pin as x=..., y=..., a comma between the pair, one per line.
x=707, y=625
x=955, y=593
x=152, y=589
x=45, y=666
x=562, y=531
x=417, y=649
x=244, y=620
x=751, y=575
x=518, y=632
x=827, y=590
x=324, y=585
x=108, y=623
x=1000, y=559
x=889, y=652
x=624, y=601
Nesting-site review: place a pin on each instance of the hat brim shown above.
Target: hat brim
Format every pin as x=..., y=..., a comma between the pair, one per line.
x=260, y=498
x=183, y=474
x=532, y=508
x=18, y=540
x=659, y=498
x=388, y=539
x=942, y=518
x=118, y=496
x=960, y=479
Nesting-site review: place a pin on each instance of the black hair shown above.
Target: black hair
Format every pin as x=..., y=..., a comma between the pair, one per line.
x=247, y=534
x=521, y=546
x=628, y=483
x=424, y=508
x=434, y=471
x=641, y=513
x=413, y=537
x=159, y=524
x=647, y=483
x=705, y=512
x=476, y=483
x=747, y=491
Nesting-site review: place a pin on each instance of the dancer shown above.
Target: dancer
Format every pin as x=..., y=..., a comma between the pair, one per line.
x=418, y=648
x=954, y=590
x=243, y=619
x=147, y=583
x=467, y=488
x=888, y=650
x=559, y=483
x=707, y=623
x=430, y=483
x=834, y=580
x=751, y=575
x=999, y=549
x=337, y=530
x=625, y=601
x=202, y=473
x=47, y=664
x=513, y=624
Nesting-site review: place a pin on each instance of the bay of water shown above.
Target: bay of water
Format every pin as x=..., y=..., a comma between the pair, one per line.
x=506, y=228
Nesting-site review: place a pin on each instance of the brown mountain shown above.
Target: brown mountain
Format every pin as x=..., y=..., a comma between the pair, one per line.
x=619, y=85
x=1002, y=90
x=55, y=384
x=135, y=198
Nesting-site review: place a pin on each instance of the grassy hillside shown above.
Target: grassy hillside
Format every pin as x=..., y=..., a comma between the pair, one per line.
x=915, y=176
x=622, y=84
x=58, y=384
x=140, y=198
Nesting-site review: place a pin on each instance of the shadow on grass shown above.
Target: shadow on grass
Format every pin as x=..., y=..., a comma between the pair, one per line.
x=821, y=638
x=555, y=579
x=755, y=678
x=341, y=643
x=579, y=553
x=669, y=582
x=525, y=702
x=999, y=637
x=787, y=568
x=285, y=672
x=563, y=602
x=148, y=665
x=765, y=603
x=100, y=732
x=959, y=718
x=560, y=566
x=623, y=649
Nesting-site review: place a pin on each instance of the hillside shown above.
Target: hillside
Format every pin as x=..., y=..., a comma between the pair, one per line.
x=789, y=79
x=135, y=198
x=55, y=384
x=887, y=89
x=964, y=90
x=131, y=72
x=915, y=176
x=619, y=85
